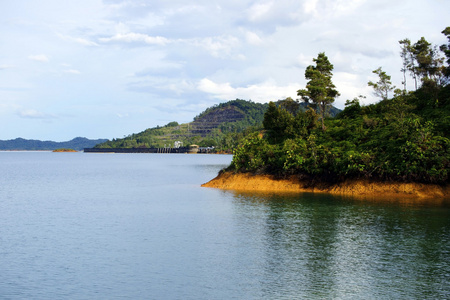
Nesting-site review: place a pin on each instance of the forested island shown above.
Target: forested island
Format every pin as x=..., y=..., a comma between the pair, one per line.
x=64, y=150
x=401, y=140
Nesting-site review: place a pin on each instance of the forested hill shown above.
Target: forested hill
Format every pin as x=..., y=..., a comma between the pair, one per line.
x=221, y=126
x=78, y=143
x=231, y=116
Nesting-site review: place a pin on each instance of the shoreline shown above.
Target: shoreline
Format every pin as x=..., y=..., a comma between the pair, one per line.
x=244, y=182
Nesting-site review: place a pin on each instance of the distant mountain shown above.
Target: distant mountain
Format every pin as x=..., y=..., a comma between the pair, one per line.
x=78, y=143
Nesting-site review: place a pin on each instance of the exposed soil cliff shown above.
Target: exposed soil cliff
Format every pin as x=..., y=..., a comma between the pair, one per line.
x=268, y=183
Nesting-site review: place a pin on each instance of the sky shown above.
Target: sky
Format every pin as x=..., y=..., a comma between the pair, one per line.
x=110, y=68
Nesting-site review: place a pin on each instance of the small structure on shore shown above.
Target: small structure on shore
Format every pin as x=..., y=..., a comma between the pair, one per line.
x=193, y=149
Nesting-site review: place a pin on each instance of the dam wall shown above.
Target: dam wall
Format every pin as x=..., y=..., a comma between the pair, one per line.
x=150, y=150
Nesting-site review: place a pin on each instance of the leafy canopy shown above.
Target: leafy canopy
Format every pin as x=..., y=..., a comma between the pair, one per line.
x=404, y=138
x=320, y=90
x=383, y=86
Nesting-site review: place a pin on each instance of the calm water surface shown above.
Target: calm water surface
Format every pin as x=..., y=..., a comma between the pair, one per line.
x=139, y=226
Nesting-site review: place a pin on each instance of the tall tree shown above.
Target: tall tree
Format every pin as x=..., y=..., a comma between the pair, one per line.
x=423, y=61
x=320, y=90
x=429, y=62
x=383, y=86
x=409, y=62
x=446, y=49
x=290, y=105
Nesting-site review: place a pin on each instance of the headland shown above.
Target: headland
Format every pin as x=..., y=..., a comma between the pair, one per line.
x=355, y=187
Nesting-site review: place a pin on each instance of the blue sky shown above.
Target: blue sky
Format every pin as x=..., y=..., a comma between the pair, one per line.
x=106, y=69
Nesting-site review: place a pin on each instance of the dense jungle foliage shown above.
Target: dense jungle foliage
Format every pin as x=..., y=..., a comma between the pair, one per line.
x=402, y=138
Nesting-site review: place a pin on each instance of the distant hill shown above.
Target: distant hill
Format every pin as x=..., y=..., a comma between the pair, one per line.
x=209, y=128
x=78, y=143
x=232, y=116
x=221, y=126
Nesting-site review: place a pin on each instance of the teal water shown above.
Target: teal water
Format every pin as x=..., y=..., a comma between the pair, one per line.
x=139, y=226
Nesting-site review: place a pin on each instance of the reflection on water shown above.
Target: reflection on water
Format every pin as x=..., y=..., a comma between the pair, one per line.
x=119, y=226
x=339, y=247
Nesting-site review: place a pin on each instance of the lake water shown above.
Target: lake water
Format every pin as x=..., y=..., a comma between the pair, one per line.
x=139, y=226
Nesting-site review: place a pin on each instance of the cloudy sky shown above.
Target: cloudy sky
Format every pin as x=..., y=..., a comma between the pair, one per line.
x=106, y=69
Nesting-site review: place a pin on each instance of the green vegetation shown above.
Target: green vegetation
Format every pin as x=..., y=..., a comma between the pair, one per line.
x=320, y=90
x=383, y=86
x=403, y=138
x=64, y=150
x=220, y=126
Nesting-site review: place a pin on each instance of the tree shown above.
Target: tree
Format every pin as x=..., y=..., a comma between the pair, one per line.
x=352, y=108
x=408, y=61
x=320, y=90
x=423, y=61
x=446, y=49
x=429, y=63
x=279, y=123
x=383, y=86
x=290, y=105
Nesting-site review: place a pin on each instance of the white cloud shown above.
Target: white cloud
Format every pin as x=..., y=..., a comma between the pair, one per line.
x=259, y=11
x=270, y=16
x=4, y=67
x=132, y=37
x=349, y=85
x=310, y=7
x=122, y=115
x=252, y=38
x=81, y=41
x=219, y=46
x=346, y=6
x=208, y=86
x=39, y=57
x=262, y=92
x=303, y=61
x=163, y=86
x=34, y=114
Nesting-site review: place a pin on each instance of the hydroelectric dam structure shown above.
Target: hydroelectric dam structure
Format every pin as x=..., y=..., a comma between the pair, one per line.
x=151, y=150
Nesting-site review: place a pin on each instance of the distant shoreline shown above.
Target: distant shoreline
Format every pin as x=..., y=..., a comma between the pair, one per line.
x=268, y=183
x=20, y=144
x=21, y=150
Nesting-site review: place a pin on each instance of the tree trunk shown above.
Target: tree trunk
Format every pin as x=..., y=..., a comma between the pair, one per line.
x=322, y=112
